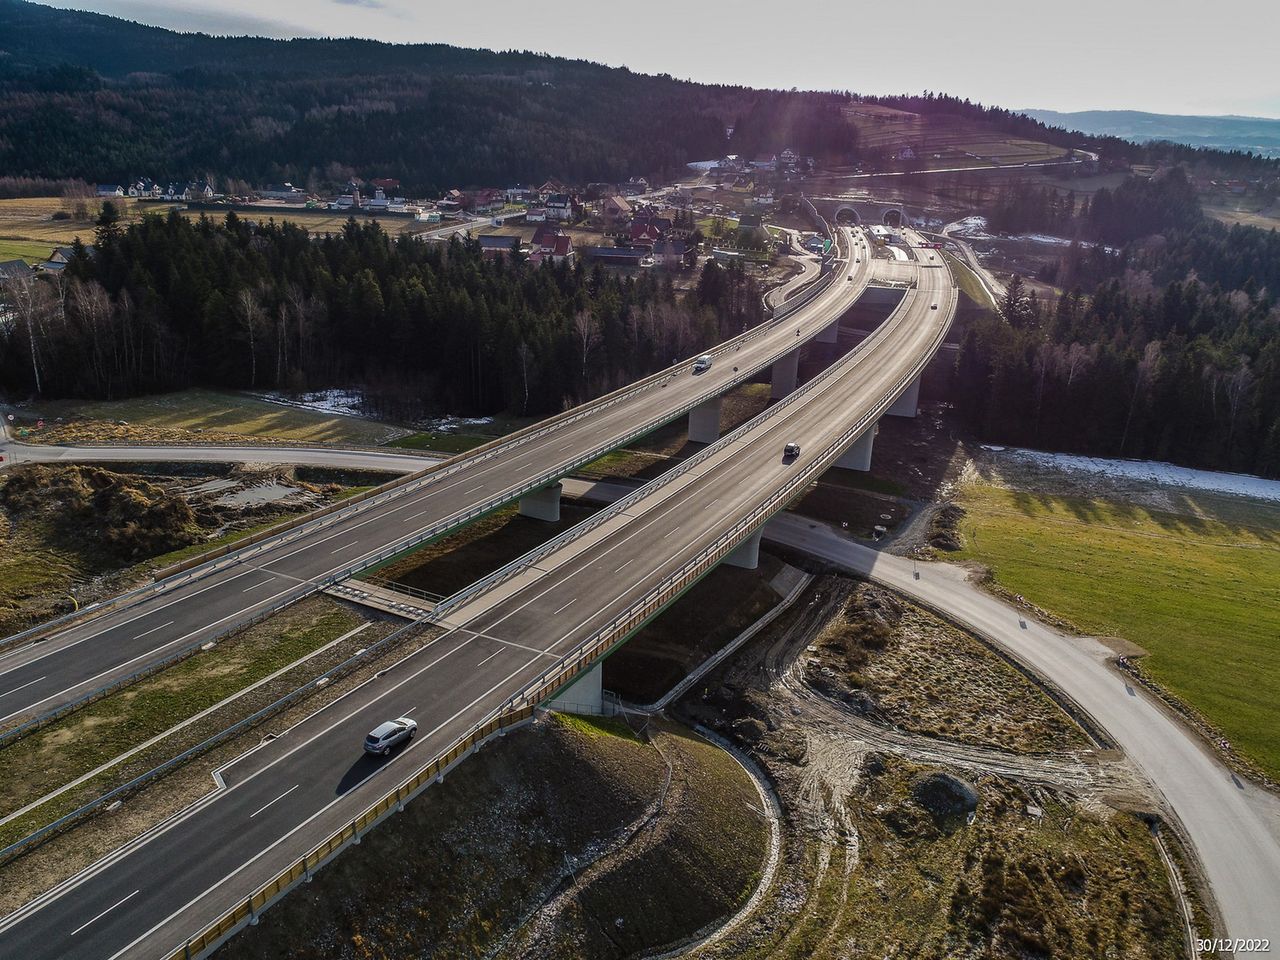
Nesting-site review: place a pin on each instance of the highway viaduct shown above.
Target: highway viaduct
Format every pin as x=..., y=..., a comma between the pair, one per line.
x=537, y=624
x=164, y=620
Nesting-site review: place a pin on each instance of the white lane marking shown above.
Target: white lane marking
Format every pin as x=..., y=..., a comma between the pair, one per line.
x=558, y=609
x=489, y=657
x=353, y=543
x=125, y=623
x=256, y=586
x=479, y=486
x=153, y=630
x=673, y=530
x=619, y=570
x=105, y=912
x=262, y=853
x=277, y=799
x=24, y=686
x=152, y=651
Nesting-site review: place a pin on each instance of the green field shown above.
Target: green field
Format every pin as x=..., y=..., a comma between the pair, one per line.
x=31, y=251
x=1200, y=593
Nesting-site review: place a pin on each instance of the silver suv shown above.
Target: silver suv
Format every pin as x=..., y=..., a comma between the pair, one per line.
x=387, y=735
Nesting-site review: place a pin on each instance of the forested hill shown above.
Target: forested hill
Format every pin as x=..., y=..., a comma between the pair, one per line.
x=98, y=98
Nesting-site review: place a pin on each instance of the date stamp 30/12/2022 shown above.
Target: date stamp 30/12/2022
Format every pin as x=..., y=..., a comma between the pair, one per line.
x=1238, y=945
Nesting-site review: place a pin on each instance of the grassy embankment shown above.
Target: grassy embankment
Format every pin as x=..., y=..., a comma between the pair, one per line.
x=1200, y=594
x=86, y=739
x=441, y=442
x=969, y=284
x=209, y=416
x=478, y=859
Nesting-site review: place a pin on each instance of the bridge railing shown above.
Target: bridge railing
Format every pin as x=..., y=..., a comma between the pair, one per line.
x=247, y=910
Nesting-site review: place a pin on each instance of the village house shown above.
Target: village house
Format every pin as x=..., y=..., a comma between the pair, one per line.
x=616, y=256
x=674, y=254
x=144, y=188
x=560, y=207
x=644, y=235
x=110, y=190
x=615, y=209
x=487, y=200
x=493, y=245
x=61, y=256
x=11, y=270
x=558, y=248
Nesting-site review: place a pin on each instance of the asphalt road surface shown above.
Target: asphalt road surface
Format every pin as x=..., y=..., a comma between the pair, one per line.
x=278, y=801
x=75, y=661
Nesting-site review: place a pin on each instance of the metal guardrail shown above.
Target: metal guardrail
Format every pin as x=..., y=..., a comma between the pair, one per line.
x=301, y=869
x=51, y=829
x=35, y=723
x=408, y=589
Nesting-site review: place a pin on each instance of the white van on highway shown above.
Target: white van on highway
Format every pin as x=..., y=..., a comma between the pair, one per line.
x=702, y=363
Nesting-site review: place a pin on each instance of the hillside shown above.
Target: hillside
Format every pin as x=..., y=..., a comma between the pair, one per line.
x=98, y=98
x=1259, y=135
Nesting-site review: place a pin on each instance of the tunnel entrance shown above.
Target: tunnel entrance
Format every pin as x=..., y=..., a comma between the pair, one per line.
x=892, y=218
x=847, y=216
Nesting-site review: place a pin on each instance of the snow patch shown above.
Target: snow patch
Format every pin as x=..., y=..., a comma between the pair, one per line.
x=453, y=424
x=346, y=403
x=1152, y=471
x=1045, y=238
x=975, y=227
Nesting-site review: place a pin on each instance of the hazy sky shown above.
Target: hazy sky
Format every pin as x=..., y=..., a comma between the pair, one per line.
x=1168, y=57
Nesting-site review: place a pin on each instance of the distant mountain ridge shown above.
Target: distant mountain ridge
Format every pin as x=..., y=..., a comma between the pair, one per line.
x=1259, y=135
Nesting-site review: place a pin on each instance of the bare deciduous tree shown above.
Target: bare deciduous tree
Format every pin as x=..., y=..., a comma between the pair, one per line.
x=587, y=330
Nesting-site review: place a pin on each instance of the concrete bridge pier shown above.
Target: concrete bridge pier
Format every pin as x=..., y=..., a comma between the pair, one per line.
x=704, y=422
x=785, y=372
x=858, y=456
x=908, y=404
x=829, y=334
x=747, y=554
x=542, y=504
x=584, y=695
